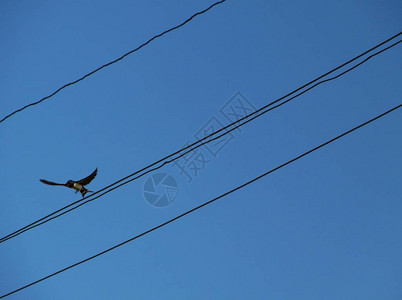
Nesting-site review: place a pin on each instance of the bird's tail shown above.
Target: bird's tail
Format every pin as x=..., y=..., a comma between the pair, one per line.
x=84, y=191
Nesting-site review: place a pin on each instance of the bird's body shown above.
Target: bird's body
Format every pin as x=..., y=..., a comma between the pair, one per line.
x=78, y=186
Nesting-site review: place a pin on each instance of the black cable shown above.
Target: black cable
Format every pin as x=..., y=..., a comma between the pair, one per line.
x=112, y=62
x=49, y=217
x=206, y=203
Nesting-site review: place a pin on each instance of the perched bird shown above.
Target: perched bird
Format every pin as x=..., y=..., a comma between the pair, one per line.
x=78, y=185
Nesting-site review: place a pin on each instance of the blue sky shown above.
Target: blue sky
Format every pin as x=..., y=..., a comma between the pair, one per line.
x=325, y=227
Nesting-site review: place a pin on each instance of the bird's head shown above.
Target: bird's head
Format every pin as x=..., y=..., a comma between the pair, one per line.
x=70, y=183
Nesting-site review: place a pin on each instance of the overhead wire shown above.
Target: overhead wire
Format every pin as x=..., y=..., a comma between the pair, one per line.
x=206, y=203
x=112, y=62
x=247, y=119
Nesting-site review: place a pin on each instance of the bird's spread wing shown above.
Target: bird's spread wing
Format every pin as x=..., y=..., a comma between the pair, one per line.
x=89, y=178
x=50, y=183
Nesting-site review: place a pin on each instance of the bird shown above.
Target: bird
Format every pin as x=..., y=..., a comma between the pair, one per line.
x=77, y=185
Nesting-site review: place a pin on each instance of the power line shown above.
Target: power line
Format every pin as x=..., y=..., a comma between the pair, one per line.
x=206, y=203
x=256, y=114
x=38, y=222
x=114, y=61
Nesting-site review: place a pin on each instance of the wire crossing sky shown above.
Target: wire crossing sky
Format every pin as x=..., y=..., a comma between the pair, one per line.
x=205, y=140
x=113, y=61
x=206, y=203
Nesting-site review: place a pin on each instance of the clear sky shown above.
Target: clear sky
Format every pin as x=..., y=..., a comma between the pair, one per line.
x=326, y=227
